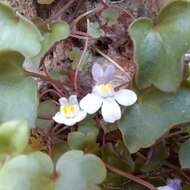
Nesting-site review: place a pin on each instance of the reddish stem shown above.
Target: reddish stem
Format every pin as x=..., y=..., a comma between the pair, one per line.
x=58, y=84
x=131, y=177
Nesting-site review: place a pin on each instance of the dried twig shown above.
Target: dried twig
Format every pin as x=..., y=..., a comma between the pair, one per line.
x=111, y=60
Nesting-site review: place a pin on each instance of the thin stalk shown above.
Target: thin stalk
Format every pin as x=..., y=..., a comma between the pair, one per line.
x=58, y=84
x=130, y=176
x=111, y=60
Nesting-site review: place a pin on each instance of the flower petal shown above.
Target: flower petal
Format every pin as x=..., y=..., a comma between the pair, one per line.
x=63, y=101
x=73, y=99
x=110, y=110
x=164, y=188
x=97, y=72
x=59, y=118
x=175, y=184
x=80, y=115
x=126, y=97
x=91, y=103
x=109, y=73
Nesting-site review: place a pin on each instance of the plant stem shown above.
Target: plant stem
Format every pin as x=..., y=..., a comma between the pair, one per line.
x=58, y=84
x=45, y=117
x=131, y=177
x=111, y=60
x=78, y=36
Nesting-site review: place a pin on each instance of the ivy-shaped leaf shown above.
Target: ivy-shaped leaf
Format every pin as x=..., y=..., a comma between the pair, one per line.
x=27, y=172
x=57, y=31
x=14, y=136
x=159, y=155
x=57, y=74
x=36, y=171
x=18, y=33
x=118, y=156
x=75, y=55
x=85, y=138
x=184, y=155
x=163, y=3
x=155, y=114
x=160, y=47
x=88, y=126
x=46, y=109
x=18, y=93
x=110, y=16
x=93, y=29
x=79, y=171
x=80, y=141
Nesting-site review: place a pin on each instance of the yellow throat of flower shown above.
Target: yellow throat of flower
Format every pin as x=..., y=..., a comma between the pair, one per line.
x=68, y=110
x=105, y=89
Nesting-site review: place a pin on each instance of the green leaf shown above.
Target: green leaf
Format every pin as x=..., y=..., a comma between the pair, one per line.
x=14, y=136
x=18, y=93
x=85, y=138
x=163, y=3
x=58, y=151
x=118, y=156
x=80, y=172
x=159, y=49
x=36, y=171
x=45, y=2
x=155, y=114
x=75, y=56
x=27, y=172
x=88, y=126
x=57, y=74
x=184, y=155
x=76, y=140
x=18, y=33
x=110, y=16
x=94, y=30
x=159, y=154
x=57, y=31
x=80, y=141
x=47, y=109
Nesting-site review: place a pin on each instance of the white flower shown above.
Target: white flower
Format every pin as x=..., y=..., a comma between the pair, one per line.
x=70, y=112
x=105, y=97
x=172, y=184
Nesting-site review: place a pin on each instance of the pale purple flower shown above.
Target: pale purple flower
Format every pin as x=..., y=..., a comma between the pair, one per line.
x=172, y=184
x=70, y=112
x=105, y=97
